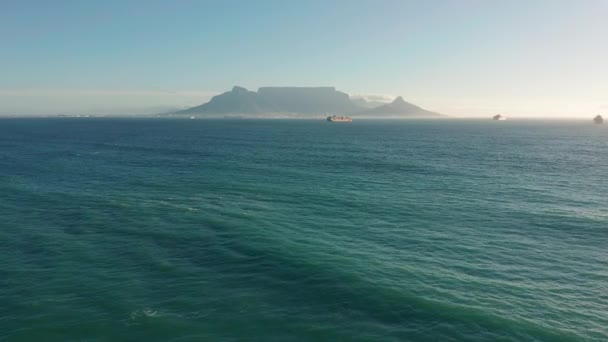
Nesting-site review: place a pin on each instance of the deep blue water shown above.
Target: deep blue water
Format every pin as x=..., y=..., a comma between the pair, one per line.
x=211, y=230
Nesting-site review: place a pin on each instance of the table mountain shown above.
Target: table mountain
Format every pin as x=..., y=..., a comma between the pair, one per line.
x=301, y=102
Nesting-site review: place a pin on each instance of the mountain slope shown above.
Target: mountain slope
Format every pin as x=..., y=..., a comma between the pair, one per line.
x=300, y=102
x=309, y=100
x=237, y=101
x=398, y=108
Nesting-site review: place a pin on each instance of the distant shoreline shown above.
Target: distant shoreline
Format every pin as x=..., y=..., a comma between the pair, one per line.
x=320, y=118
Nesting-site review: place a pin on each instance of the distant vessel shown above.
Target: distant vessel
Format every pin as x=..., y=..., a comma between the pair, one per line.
x=192, y=117
x=598, y=119
x=339, y=118
x=499, y=117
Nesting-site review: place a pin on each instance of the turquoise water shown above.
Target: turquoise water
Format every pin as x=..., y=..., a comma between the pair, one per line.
x=187, y=230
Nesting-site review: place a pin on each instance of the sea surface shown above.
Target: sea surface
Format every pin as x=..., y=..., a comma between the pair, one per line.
x=270, y=230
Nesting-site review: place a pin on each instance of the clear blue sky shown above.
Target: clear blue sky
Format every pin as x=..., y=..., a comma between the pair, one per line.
x=459, y=57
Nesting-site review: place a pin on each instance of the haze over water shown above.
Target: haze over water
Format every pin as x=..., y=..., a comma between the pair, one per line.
x=533, y=58
x=120, y=229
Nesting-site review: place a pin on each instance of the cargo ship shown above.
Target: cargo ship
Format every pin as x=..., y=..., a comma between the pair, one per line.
x=499, y=117
x=339, y=118
x=598, y=119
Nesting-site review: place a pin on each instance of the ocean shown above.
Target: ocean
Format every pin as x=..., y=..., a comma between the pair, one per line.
x=296, y=230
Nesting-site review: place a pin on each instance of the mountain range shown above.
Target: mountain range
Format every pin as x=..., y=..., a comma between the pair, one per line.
x=301, y=102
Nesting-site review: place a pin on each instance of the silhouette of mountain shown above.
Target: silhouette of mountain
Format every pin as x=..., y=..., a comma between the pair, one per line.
x=398, y=108
x=298, y=102
x=237, y=101
x=308, y=100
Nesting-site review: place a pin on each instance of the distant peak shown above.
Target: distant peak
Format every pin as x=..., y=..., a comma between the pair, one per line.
x=398, y=100
x=238, y=89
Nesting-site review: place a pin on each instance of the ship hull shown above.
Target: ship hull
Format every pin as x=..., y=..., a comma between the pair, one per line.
x=339, y=119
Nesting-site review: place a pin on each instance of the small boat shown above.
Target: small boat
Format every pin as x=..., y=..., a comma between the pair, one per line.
x=339, y=118
x=598, y=119
x=192, y=117
x=499, y=117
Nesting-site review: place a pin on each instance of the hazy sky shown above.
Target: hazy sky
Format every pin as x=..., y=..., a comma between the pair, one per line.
x=461, y=58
